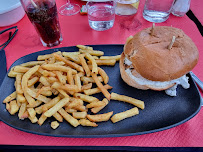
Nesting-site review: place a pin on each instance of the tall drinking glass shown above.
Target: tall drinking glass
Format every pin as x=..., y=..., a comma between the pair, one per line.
x=69, y=9
x=157, y=10
x=43, y=15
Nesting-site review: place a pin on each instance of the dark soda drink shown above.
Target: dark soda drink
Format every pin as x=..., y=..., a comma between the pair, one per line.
x=44, y=17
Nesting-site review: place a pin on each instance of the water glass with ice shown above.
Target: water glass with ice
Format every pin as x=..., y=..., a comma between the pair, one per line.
x=157, y=10
x=101, y=14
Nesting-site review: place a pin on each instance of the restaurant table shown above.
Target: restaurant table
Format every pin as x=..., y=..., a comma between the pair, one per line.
x=196, y=8
x=195, y=13
x=75, y=30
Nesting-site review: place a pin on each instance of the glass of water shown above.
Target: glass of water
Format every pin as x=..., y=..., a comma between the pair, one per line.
x=101, y=14
x=157, y=10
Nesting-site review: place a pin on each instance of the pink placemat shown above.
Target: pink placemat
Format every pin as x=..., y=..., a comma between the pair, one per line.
x=196, y=8
x=75, y=30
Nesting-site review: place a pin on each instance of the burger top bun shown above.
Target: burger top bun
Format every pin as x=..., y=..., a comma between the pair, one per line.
x=152, y=59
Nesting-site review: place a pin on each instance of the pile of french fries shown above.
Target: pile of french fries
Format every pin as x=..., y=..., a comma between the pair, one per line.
x=60, y=85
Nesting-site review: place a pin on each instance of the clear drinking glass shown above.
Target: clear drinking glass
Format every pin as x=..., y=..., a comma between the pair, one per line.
x=69, y=9
x=157, y=10
x=101, y=14
x=127, y=7
x=180, y=7
x=43, y=15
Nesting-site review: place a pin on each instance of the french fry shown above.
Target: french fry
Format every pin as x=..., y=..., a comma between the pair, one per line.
x=75, y=100
x=39, y=110
x=86, y=87
x=54, y=124
x=116, y=57
x=79, y=115
x=32, y=63
x=52, y=79
x=111, y=62
x=78, y=82
x=39, y=86
x=95, y=57
x=61, y=77
x=70, y=110
x=74, y=104
x=70, y=78
x=33, y=119
x=20, y=98
x=97, y=109
x=93, y=63
x=103, y=75
x=84, y=47
x=8, y=107
x=63, y=93
x=13, y=73
x=95, y=104
x=22, y=110
x=44, y=81
x=92, y=52
x=100, y=117
x=51, y=60
x=84, y=64
x=46, y=91
x=74, y=58
x=100, y=86
x=12, y=96
x=20, y=69
x=96, y=90
x=37, y=103
x=41, y=119
x=43, y=72
x=135, y=102
x=55, y=67
x=80, y=108
x=68, y=54
x=58, y=117
x=24, y=83
x=74, y=122
x=60, y=63
x=54, y=91
x=29, y=99
x=90, y=79
x=85, y=122
x=85, y=98
x=39, y=97
x=25, y=115
x=13, y=107
x=48, y=105
x=67, y=87
x=56, y=107
x=32, y=112
x=123, y=115
x=18, y=84
x=69, y=63
x=32, y=81
x=44, y=57
x=80, y=74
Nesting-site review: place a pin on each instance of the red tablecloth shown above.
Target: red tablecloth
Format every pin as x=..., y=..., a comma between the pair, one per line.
x=75, y=30
x=196, y=8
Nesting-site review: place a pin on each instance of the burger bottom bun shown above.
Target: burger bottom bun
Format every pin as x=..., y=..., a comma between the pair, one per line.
x=131, y=82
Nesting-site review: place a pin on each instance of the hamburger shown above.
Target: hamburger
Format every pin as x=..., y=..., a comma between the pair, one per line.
x=147, y=62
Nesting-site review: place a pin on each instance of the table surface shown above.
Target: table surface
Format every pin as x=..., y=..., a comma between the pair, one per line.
x=75, y=30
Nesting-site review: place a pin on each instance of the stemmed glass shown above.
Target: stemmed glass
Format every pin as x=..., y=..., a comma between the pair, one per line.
x=69, y=9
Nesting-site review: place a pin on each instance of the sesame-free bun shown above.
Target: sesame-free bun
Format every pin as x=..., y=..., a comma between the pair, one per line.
x=132, y=82
x=152, y=60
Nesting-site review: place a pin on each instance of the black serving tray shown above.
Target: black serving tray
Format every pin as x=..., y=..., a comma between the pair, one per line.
x=161, y=111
